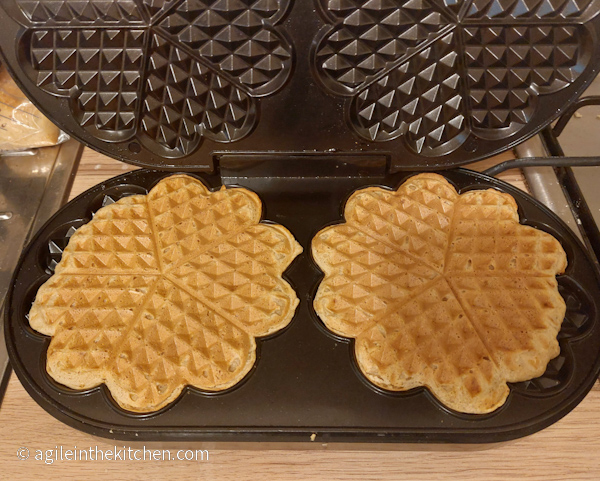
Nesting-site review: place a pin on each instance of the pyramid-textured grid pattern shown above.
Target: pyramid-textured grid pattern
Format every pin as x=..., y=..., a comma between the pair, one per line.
x=87, y=11
x=437, y=73
x=442, y=290
x=162, y=291
x=102, y=67
x=185, y=102
x=429, y=338
x=231, y=36
x=168, y=73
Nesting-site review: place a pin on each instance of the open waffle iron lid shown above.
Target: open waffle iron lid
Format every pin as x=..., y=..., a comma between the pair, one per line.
x=427, y=84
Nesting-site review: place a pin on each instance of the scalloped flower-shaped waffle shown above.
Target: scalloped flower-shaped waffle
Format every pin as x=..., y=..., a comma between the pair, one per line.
x=442, y=290
x=166, y=290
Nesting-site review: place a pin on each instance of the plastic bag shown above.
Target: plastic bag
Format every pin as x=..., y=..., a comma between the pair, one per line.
x=22, y=125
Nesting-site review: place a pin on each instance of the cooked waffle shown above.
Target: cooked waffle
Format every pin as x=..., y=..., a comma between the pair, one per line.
x=442, y=290
x=166, y=290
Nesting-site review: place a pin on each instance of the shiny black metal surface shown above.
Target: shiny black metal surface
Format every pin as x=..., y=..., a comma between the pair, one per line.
x=428, y=85
x=305, y=381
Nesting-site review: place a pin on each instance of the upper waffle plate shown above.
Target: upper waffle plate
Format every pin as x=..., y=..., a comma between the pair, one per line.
x=427, y=83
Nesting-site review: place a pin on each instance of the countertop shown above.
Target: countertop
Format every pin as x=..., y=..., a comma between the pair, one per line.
x=567, y=450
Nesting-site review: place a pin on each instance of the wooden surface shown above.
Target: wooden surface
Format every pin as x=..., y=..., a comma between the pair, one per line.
x=568, y=450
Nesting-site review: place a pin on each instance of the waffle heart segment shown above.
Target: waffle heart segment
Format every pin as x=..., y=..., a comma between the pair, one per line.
x=442, y=290
x=366, y=278
x=167, y=290
x=430, y=342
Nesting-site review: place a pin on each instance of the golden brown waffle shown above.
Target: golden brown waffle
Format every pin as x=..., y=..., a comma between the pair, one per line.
x=166, y=290
x=440, y=290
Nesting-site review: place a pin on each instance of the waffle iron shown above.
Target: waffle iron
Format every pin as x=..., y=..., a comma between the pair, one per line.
x=304, y=102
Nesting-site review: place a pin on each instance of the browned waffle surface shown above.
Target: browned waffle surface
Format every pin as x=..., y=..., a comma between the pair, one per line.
x=442, y=290
x=166, y=290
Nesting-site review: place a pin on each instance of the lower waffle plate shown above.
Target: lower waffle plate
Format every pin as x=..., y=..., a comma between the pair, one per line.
x=306, y=381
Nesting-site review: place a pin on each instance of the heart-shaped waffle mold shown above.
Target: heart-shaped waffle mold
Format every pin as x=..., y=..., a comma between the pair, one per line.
x=166, y=290
x=168, y=73
x=438, y=72
x=428, y=84
x=442, y=290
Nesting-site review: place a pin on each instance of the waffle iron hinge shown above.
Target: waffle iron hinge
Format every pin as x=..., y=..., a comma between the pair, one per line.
x=299, y=167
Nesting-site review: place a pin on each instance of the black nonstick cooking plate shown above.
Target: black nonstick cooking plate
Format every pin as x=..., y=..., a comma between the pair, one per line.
x=305, y=380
